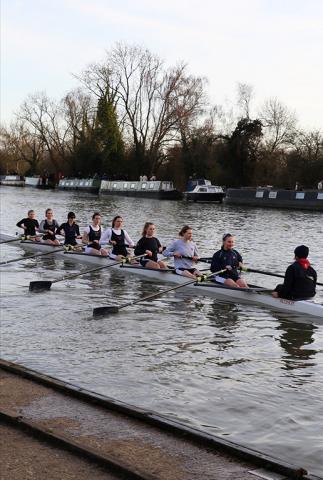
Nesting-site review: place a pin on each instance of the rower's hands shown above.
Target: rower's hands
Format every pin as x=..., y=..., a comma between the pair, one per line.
x=113, y=242
x=177, y=255
x=95, y=241
x=228, y=267
x=195, y=258
x=149, y=253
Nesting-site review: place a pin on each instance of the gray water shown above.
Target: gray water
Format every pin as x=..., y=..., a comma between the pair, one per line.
x=233, y=370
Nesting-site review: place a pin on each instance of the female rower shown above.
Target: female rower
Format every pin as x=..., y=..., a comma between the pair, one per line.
x=150, y=245
x=185, y=254
x=119, y=238
x=300, y=278
x=230, y=259
x=92, y=236
x=70, y=230
x=49, y=227
x=30, y=225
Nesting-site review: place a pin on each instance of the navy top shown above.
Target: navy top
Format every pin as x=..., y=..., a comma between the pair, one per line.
x=223, y=258
x=71, y=232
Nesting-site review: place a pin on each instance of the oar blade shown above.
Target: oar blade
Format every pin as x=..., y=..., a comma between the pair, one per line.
x=39, y=286
x=103, y=311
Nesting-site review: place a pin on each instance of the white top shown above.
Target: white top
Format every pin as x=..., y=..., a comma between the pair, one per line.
x=106, y=237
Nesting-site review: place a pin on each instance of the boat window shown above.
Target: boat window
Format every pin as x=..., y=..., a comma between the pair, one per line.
x=259, y=194
x=125, y=185
x=144, y=185
x=320, y=196
x=151, y=185
x=300, y=195
x=272, y=195
x=82, y=183
x=132, y=185
x=114, y=185
x=202, y=189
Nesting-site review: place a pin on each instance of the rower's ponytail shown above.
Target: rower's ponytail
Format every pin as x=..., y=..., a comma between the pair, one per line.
x=184, y=230
x=146, y=226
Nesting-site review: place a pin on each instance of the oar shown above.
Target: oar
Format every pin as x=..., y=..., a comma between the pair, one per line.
x=32, y=256
x=272, y=274
x=39, y=285
x=100, y=311
x=17, y=239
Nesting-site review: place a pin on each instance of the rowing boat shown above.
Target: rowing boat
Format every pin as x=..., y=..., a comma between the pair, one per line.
x=256, y=296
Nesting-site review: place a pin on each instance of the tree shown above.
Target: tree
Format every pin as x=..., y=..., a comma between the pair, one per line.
x=279, y=124
x=152, y=102
x=238, y=153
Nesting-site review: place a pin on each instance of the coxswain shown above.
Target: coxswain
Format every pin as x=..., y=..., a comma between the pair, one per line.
x=185, y=254
x=49, y=227
x=30, y=225
x=151, y=246
x=70, y=230
x=119, y=238
x=92, y=236
x=300, y=278
x=230, y=259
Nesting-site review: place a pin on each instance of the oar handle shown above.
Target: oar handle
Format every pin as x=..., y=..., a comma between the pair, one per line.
x=154, y=295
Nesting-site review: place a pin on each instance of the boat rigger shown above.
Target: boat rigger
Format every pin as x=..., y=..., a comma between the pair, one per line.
x=257, y=296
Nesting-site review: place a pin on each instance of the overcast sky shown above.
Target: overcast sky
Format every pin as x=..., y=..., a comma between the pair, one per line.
x=274, y=45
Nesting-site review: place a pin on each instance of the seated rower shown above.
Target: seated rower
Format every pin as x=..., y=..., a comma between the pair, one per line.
x=49, y=227
x=300, y=278
x=70, y=230
x=185, y=254
x=30, y=226
x=230, y=259
x=150, y=245
x=119, y=238
x=92, y=236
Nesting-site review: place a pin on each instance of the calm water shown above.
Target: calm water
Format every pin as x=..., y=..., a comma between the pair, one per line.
x=238, y=371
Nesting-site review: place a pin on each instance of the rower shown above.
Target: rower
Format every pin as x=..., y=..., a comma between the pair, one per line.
x=119, y=238
x=92, y=235
x=185, y=254
x=49, y=227
x=70, y=229
x=150, y=245
x=300, y=278
x=230, y=259
x=30, y=225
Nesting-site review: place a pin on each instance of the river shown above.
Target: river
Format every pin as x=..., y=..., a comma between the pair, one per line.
x=237, y=371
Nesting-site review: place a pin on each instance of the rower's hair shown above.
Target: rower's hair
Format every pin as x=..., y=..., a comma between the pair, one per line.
x=31, y=211
x=116, y=218
x=48, y=210
x=95, y=214
x=146, y=226
x=184, y=230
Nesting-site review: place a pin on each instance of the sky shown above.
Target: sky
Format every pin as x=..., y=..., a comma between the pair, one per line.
x=274, y=45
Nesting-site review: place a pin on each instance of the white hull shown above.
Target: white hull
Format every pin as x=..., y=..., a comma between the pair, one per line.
x=303, y=308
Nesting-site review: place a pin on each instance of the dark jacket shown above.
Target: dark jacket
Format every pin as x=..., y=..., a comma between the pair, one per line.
x=299, y=282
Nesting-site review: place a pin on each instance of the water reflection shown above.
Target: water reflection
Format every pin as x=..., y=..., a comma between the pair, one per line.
x=294, y=338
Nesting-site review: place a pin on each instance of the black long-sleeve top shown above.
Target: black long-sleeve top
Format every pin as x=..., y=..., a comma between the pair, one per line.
x=31, y=224
x=148, y=243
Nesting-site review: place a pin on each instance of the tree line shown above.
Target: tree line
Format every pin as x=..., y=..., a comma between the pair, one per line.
x=133, y=115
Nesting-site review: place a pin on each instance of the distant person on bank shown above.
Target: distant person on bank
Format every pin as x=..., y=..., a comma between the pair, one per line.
x=300, y=278
x=320, y=185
